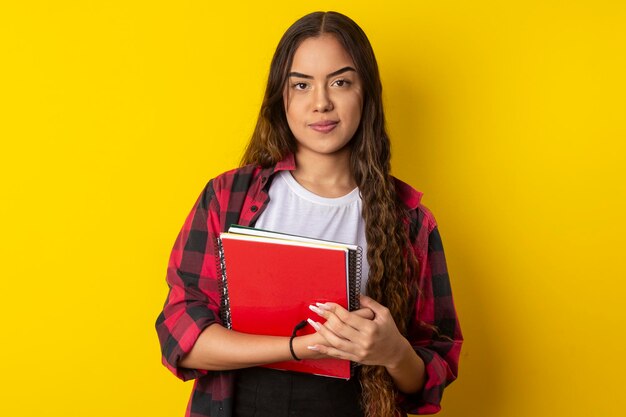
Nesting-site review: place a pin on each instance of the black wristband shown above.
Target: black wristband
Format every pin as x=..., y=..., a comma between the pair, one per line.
x=293, y=335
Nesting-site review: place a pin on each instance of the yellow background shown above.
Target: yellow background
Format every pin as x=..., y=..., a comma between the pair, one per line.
x=508, y=115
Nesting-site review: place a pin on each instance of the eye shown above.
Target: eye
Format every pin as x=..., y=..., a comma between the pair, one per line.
x=299, y=86
x=341, y=83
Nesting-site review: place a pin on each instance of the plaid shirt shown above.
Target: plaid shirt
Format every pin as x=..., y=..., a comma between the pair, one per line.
x=238, y=197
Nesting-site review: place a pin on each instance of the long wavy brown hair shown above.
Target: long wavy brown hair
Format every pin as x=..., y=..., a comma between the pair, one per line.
x=392, y=263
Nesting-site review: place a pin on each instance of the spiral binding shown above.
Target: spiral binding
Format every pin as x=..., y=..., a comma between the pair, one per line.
x=355, y=258
x=222, y=285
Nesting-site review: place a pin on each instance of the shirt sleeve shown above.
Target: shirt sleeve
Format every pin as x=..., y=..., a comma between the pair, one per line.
x=435, y=333
x=192, y=303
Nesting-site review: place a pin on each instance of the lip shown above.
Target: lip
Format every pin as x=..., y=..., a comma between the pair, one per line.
x=324, y=126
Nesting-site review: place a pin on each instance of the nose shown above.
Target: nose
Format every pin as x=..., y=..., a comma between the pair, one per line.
x=323, y=103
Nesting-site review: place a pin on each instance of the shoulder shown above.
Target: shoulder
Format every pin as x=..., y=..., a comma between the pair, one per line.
x=234, y=179
x=220, y=189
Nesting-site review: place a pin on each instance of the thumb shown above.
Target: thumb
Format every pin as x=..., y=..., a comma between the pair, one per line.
x=372, y=304
x=365, y=313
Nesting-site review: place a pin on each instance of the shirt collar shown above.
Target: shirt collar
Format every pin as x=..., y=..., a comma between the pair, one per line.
x=409, y=196
x=287, y=164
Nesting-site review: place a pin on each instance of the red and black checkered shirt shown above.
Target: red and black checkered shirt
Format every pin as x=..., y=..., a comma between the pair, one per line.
x=238, y=197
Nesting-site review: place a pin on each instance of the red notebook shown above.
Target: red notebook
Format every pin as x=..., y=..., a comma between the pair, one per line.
x=270, y=279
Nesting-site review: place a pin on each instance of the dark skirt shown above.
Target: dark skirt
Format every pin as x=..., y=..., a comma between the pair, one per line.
x=262, y=392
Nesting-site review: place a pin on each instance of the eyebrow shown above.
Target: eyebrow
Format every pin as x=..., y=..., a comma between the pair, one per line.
x=332, y=74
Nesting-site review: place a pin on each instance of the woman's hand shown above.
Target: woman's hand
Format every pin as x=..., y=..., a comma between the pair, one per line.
x=368, y=336
x=302, y=344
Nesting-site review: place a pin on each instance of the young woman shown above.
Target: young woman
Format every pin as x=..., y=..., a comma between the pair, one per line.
x=318, y=165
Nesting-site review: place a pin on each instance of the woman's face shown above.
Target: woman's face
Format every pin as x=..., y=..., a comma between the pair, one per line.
x=323, y=96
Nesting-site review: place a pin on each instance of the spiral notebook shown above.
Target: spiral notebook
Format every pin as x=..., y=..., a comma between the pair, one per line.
x=269, y=279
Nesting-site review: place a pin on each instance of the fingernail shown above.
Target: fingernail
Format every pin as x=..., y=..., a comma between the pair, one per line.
x=312, y=348
x=314, y=324
x=323, y=306
x=316, y=310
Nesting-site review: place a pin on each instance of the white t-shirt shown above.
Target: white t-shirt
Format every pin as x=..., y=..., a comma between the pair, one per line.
x=294, y=209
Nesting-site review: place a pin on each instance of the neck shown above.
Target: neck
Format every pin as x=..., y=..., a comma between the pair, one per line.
x=324, y=175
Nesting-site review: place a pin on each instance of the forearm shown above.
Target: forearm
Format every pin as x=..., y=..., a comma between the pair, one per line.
x=219, y=349
x=408, y=371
